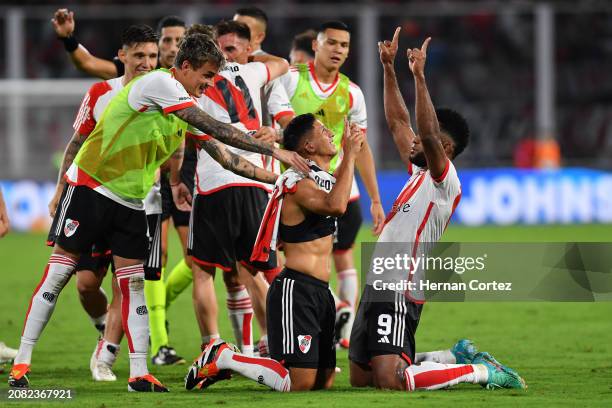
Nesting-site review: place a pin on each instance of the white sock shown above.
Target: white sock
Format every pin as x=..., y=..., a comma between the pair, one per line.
x=208, y=338
x=57, y=273
x=441, y=356
x=337, y=300
x=348, y=286
x=434, y=376
x=263, y=370
x=136, y=321
x=107, y=352
x=240, y=312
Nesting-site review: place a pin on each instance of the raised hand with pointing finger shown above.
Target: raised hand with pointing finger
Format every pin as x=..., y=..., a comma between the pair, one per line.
x=388, y=49
x=417, y=57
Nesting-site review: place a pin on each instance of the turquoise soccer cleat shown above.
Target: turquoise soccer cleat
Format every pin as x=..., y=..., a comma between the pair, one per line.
x=500, y=376
x=464, y=351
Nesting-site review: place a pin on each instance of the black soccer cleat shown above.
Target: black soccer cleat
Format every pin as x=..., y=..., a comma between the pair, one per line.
x=18, y=377
x=167, y=356
x=146, y=383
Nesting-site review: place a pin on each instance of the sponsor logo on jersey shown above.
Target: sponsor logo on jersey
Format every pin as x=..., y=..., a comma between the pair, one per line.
x=141, y=310
x=48, y=296
x=384, y=340
x=400, y=208
x=320, y=113
x=70, y=227
x=304, y=342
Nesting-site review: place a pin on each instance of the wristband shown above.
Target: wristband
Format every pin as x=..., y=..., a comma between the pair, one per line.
x=70, y=43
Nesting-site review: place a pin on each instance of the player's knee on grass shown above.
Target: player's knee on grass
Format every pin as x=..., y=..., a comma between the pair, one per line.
x=360, y=375
x=388, y=372
x=302, y=379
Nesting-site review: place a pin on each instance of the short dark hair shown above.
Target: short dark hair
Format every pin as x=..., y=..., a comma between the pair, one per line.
x=334, y=25
x=199, y=49
x=254, y=12
x=200, y=29
x=233, y=27
x=296, y=130
x=455, y=125
x=303, y=41
x=139, y=33
x=170, y=21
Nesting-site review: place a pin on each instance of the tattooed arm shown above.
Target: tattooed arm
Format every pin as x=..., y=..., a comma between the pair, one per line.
x=235, y=163
x=228, y=134
x=69, y=154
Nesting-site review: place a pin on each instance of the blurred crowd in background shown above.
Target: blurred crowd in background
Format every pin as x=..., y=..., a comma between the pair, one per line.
x=481, y=64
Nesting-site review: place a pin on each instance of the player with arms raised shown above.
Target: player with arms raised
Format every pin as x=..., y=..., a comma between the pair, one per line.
x=382, y=347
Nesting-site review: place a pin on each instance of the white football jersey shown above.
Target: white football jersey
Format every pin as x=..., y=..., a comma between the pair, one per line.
x=235, y=98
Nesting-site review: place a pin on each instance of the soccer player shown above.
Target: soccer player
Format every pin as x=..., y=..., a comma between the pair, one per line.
x=319, y=88
x=301, y=308
x=171, y=30
x=382, y=347
x=113, y=172
x=301, y=47
x=228, y=208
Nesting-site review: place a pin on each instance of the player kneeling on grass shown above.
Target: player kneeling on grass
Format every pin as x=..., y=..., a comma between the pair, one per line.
x=382, y=346
x=300, y=306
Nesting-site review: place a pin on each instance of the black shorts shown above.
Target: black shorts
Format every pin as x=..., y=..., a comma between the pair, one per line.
x=301, y=314
x=153, y=263
x=95, y=260
x=385, y=323
x=86, y=221
x=179, y=218
x=348, y=227
x=224, y=228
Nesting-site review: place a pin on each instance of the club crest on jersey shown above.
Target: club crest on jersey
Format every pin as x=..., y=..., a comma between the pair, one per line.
x=304, y=342
x=70, y=227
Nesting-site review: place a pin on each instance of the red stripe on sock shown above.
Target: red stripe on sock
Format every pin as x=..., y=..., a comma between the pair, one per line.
x=32, y=298
x=265, y=362
x=125, y=310
x=435, y=377
x=246, y=329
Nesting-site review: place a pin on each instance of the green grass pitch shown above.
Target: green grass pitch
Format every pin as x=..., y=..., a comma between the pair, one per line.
x=563, y=350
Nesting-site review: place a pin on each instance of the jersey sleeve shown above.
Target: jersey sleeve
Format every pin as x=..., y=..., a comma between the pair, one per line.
x=260, y=71
x=290, y=81
x=84, y=123
x=278, y=101
x=357, y=111
x=159, y=90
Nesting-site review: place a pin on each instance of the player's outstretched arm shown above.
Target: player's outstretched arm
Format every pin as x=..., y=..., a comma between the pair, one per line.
x=396, y=113
x=426, y=119
x=277, y=66
x=63, y=24
x=72, y=149
x=334, y=203
x=236, y=163
x=230, y=135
